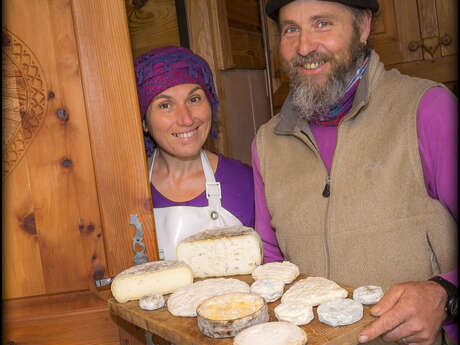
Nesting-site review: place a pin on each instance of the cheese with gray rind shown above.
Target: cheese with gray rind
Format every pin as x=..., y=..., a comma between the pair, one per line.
x=226, y=315
x=272, y=333
x=369, y=294
x=340, y=312
x=152, y=302
x=299, y=313
x=269, y=289
x=159, y=277
x=285, y=271
x=222, y=251
x=184, y=301
x=314, y=291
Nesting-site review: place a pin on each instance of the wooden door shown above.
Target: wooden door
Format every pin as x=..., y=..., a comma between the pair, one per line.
x=418, y=37
x=73, y=168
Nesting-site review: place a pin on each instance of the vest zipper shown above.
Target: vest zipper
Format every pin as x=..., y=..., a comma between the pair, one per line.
x=327, y=187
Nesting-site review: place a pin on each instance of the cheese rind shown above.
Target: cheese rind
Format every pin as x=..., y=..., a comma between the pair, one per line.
x=272, y=333
x=222, y=251
x=152, y=302
x=184, y=301
x=299, y=313
x=226, y=315
x=285, y=271
x=156, y=277
x=369, y=294
x=314, y=291
x=340, y=312
x=269, y=289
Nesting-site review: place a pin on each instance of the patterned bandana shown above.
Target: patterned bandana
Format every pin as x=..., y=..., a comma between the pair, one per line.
x=335, y=115
x=165, y=67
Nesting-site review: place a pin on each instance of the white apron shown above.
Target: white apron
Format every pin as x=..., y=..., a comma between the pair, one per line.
x=174, y=223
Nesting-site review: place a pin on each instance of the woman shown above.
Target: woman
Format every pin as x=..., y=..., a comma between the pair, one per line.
x=193, y=189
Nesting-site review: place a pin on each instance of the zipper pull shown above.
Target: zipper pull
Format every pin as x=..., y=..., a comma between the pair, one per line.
x=327, y=188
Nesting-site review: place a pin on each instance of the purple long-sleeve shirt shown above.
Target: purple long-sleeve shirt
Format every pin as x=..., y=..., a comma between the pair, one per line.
x=437, y=128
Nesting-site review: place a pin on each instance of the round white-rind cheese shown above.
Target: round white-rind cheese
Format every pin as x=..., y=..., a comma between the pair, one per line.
x=152, y=302
x=369, y=294
x=161, y=277
x=285, y=271
x=270, y=289
x=184, y=301
x=272, y=333
x=299, y=313
x=226, y=315
x=314, y=291
x=340, y=312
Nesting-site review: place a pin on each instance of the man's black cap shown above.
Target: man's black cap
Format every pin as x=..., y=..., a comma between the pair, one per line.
x=273, y=6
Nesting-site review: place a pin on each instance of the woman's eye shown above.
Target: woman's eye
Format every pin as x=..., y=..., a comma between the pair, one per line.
x=195, y=99
x=164, y=106
x=290, y=29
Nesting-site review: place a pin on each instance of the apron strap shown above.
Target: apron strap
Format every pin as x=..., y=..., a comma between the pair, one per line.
x=213, y=190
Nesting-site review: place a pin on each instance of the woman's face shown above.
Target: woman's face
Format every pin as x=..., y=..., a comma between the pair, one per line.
x=179, y=120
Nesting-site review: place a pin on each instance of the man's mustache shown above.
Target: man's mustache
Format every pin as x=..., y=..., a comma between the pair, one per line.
x=311, y=57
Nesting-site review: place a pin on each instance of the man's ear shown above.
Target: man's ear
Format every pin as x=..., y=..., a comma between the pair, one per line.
x=366, y=24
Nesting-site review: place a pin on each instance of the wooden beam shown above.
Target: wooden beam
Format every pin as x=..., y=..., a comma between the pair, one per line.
x=115, y=128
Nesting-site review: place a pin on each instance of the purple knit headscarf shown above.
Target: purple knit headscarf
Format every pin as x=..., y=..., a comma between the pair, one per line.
x=165, y=67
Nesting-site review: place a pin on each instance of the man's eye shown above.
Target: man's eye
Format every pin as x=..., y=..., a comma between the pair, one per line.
x=290, y=29
x=323, y=24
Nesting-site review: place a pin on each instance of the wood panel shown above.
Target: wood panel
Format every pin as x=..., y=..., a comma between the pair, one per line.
x=152, y=25
x=202, y=34
x=247, y=47
x=394, y=27
x=447, y=10
x=79, y=318
x=52, y=219
x=115, y=128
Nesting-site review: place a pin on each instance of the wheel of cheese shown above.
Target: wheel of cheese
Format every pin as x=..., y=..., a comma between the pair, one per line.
x=269, y=289
x=272, y=333
x=340, y=312
x=222, y=251
x=299, y=313
x=226, y=315
x=161, y=277
x=284, y=271
x=152, y=302
x=369, y=294
x=184, y=301
x=314, y=291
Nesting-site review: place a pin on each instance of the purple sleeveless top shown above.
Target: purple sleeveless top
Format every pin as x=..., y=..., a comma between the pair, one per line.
x=237, y=186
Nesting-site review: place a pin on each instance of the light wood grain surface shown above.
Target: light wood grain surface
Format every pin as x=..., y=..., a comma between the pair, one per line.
x=184, y=330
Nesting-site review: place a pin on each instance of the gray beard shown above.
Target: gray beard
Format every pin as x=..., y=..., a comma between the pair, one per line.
x=312, y=101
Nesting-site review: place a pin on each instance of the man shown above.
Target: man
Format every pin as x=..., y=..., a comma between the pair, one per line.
x=356, y=178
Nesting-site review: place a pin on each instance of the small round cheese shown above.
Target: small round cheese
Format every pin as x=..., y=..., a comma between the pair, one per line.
x=226, y=315
x=299, y=313
x=284, y=271
x=340, y=312
x=369, y=294
x=152, y=302
x=269, y=289
x=272, y=333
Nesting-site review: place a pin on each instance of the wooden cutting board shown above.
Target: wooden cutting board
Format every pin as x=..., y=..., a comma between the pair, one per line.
x=184, y=330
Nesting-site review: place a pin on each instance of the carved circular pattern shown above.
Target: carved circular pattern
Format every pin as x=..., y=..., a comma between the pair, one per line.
x=24, y=99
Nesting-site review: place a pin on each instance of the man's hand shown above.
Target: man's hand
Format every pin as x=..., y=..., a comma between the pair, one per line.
x=411, y=313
